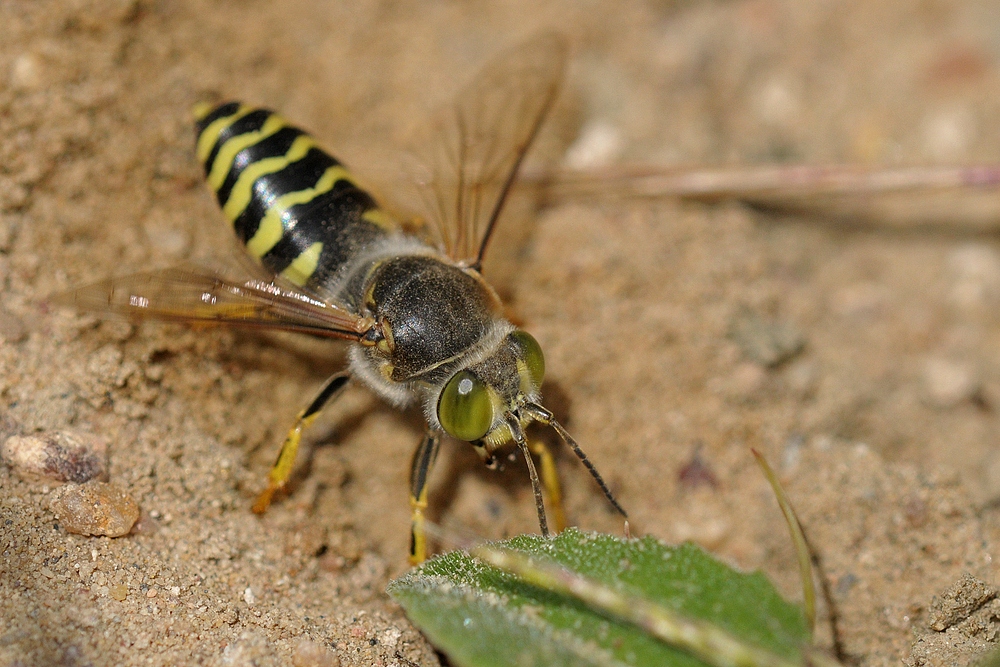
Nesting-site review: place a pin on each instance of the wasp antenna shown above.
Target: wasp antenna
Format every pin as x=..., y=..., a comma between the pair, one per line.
x=518, y=433
x=545, y=416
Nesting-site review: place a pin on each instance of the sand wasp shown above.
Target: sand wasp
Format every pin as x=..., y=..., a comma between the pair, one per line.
x=426, y=328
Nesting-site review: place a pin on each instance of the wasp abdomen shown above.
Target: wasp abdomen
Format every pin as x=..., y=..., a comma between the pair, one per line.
x=294, y=206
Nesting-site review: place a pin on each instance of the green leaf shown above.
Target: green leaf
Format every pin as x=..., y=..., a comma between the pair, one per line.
x=987, y=659
x=480, y=615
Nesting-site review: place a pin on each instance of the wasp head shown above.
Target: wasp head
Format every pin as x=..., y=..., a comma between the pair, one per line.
x=490, y=403
x=484, y=403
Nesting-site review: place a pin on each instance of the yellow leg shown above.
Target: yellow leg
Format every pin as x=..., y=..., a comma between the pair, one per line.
x=420, y=469
x=418, y=532
x=550, y=480
x=282, y=468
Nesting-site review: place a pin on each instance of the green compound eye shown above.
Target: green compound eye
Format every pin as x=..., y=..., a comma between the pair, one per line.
x=531, y=352
x=465, y=409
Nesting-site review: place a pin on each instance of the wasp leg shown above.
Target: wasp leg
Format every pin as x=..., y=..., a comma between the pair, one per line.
x=420, y=470
x=550, y=480
x=282, y=468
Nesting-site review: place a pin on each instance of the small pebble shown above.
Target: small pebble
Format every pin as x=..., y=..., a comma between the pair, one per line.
x=861, y=301
x=697, y=472
x=915, y=510
x=62, y=456
x=95, y=508
x=599, y=144
x=309, y=653
x=249, y=650
x=948, y=383
x=167, y=238
x=391, y=637
x=747, y=381
x=709, y=533
x=766, y=342
x=777, y=101
x=12, y=328
x=25, y=72
x=975, y=273
x=948, y=133
x=801, y=378
x=845, y=583
x=118, y=592
x=963, y=598
x=958, y=64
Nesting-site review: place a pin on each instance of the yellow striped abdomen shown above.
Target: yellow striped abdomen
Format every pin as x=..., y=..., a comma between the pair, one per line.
x=294, y=206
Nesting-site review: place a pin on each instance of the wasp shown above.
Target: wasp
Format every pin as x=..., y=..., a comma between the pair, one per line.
x=425, y=327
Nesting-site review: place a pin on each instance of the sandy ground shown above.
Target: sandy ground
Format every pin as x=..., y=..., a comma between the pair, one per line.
x=883, y=426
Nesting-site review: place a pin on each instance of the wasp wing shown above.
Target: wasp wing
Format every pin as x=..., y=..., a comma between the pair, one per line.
x=470, y=153
x=198, y=296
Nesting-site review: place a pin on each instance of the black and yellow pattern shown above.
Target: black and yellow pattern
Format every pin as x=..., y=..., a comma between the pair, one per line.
x=294, y=206
x=426, y=328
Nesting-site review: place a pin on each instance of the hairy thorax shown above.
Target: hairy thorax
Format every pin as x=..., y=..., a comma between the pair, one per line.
x=433, y=317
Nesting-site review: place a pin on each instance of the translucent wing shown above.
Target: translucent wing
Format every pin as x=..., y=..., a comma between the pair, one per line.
x=198, y=296
x=471, y=152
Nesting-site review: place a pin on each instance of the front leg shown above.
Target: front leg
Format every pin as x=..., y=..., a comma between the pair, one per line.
x=420, y=470
x=282, y=468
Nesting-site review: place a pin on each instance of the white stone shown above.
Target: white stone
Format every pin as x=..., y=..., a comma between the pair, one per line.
x=947, y=383
x=598, y=145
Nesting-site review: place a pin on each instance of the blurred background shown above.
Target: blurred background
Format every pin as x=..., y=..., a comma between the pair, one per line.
x=859, y=351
